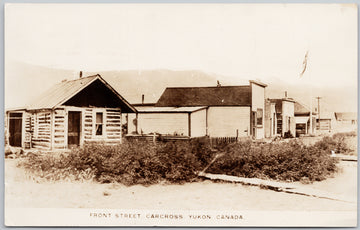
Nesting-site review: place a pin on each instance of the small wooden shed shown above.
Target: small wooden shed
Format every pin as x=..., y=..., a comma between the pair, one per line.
x=69, y=114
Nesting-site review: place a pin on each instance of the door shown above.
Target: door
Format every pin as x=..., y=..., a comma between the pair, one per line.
x=74, y=128
x=15, y=129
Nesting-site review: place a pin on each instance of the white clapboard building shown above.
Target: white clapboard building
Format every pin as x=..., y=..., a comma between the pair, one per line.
x=220, y=111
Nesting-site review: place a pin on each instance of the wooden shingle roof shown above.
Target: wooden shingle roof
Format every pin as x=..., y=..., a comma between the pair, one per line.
x=65, y=90
x=206, y=96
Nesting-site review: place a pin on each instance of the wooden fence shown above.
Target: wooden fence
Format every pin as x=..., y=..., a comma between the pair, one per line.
x=214, y=141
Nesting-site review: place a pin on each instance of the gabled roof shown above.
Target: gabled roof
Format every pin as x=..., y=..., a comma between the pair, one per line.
x=206, y=96
x=346, y=116
x=301, y=109
x=170, y=109
x=65, y=90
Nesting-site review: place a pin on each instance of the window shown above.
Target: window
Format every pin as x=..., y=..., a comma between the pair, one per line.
x=99, y=124
x=259, y=117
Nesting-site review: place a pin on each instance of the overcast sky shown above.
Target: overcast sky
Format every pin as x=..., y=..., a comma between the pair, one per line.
x=234, y=40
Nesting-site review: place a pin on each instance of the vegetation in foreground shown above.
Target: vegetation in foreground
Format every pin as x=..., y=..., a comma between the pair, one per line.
x=147, y=163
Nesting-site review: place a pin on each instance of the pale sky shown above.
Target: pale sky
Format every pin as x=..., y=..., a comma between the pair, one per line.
x=235, y=40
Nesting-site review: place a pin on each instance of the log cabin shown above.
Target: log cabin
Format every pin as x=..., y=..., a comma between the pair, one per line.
x=69, y=114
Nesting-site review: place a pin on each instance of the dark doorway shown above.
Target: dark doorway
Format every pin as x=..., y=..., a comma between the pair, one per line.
x=15, y=129
x=74, y=128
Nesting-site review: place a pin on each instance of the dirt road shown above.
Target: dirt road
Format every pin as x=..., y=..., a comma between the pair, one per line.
x=22, y=191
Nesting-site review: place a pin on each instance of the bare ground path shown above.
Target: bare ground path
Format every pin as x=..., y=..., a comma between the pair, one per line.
x=21, y=191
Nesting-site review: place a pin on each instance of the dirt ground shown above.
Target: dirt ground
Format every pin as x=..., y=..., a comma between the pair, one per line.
x=23, y=191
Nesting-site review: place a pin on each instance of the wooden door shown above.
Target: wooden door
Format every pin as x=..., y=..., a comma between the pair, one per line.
x=15, y=129
x=74, y=128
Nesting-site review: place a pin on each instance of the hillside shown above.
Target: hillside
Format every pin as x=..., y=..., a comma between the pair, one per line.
x=24, y=82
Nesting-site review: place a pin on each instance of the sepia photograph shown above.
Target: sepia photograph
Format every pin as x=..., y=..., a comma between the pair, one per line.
x=158, y=114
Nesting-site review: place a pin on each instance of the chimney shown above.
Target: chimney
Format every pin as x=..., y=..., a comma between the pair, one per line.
x=142, y=99
x=285, y=94
x=80, y=74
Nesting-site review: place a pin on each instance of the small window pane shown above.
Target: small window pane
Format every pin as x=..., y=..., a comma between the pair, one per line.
x=99, y=118
x=98, y=129
x=259, y=115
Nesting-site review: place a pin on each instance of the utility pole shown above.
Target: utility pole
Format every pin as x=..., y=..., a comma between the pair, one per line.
x=318, y=98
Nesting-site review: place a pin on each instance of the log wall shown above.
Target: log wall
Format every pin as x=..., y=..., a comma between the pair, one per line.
x=41, y=137
x=49, y=129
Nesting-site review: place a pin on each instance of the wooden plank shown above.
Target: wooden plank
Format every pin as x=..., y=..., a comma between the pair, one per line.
x=114, y=125
x=114, y=137
x=113, y=129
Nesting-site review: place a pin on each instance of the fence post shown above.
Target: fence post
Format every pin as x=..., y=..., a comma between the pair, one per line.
x=154, y=138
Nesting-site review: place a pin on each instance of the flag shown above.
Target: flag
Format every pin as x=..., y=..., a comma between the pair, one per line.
x=304, y=64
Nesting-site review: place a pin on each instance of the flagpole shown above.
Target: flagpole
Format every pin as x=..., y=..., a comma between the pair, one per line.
x=305, y=62
x=311, y=123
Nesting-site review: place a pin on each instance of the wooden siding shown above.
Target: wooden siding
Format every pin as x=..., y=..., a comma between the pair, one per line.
x=87, y=124
x=323, y=124
x=227, y=121
x=163, y=123
x=113, y=125
x=59, y=129
x=49, y=130
x=198, y=123
x=41, y=138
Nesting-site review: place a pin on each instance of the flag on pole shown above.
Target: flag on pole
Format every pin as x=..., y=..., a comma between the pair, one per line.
x=304, y=64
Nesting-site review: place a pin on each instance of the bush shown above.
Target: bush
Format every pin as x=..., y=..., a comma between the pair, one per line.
x=142, y=162
x=135, y=162
x=291, y=161
x=336, y=143
x=288, y=134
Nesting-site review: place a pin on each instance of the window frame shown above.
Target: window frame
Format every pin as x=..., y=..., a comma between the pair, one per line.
x=94, y=122
x=258, y=117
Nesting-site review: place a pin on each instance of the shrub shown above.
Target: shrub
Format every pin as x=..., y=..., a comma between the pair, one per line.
x=143, y=162
x=288, y=134
x=134, y=162
x=291, y=161
x=337, y=143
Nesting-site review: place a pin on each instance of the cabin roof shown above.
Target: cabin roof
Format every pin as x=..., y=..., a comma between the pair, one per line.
x=346, y=116
x=169, y=109
x=205, y=96
x=301, y=109
x=63, y=91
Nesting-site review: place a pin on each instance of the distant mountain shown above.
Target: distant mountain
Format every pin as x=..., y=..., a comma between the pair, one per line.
x=24, y=82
